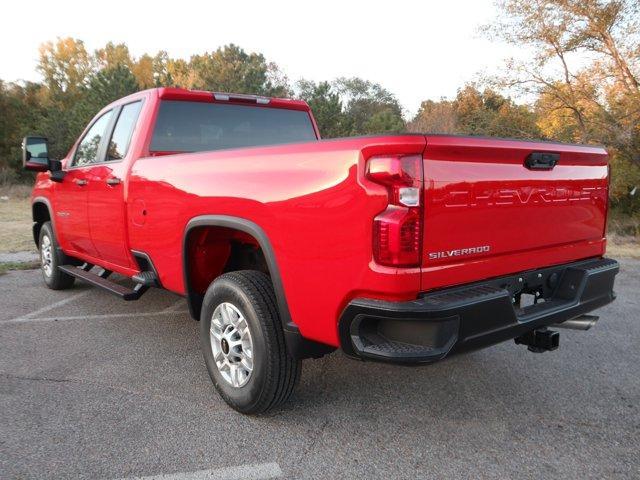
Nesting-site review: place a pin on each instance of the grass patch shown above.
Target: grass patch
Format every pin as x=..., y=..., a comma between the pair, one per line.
x=5, y=267
x=15, y=224
x=623, y=246
x=19, y=190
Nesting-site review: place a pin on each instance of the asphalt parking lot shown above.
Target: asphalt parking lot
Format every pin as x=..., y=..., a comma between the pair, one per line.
x=92, y=387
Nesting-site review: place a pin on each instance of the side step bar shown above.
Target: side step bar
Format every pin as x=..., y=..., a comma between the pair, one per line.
x=100, y=280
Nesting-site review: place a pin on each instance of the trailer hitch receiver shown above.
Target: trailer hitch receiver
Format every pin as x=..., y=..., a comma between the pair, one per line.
x=540, y=340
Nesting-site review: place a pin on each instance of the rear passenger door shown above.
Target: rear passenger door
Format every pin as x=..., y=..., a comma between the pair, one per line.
x=107, y=189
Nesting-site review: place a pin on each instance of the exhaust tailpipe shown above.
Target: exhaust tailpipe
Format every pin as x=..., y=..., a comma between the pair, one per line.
x=584, y=322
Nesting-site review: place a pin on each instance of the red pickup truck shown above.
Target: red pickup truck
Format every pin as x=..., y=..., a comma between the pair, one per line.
x=402, y=248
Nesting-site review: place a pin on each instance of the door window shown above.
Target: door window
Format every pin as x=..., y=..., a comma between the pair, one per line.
x=123, y=130
x=87, y=151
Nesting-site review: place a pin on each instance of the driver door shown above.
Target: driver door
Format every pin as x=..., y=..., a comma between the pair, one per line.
x=71, y=197
x=107, y=207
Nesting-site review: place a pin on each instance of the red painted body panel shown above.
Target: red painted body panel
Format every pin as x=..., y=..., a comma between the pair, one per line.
x=478, y=193
x=316, y=207
x=309, y=198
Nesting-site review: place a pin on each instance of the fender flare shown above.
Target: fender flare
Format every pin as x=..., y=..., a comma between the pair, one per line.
x=256, y=232
x=298, y=346
x=45, y=201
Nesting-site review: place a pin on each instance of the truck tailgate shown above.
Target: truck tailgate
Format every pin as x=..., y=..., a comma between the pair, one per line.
x=487, y=214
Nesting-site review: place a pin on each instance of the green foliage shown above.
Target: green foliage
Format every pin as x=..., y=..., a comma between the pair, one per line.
x=351, y=106
x=369, y=108
x=489, y=113
x=105, y=86
x=21, y=114
x=625, y=186
x=231, y=69
x=326, y=106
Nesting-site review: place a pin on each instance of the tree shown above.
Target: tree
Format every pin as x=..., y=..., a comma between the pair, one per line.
x=21, y=112
x=231, y=69
x=65, y=67
x=143, y=71
x=368, y=107
x=161, y=74
x=113, y=55
x=585, y=74
x=326, y=106
x=477, y=113
x=489, y=113
x=110, y=84
x=434, y=117
x=602, y=98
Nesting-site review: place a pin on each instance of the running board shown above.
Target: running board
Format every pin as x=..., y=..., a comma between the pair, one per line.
x=100, y=280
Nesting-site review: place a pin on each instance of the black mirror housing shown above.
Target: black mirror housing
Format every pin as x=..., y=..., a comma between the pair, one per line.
x=35, y=154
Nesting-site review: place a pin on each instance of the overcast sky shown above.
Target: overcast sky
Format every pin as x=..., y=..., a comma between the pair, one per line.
x=417, y=49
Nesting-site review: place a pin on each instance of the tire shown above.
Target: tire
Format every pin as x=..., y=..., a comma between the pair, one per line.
x=274, y=373
x=50, y=258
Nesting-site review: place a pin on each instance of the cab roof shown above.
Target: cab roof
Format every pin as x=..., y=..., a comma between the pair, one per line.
x=171, y=93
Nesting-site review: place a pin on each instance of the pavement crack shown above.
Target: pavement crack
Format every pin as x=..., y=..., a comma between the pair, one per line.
x=39, y=379
x=114, y=388
x=315, y=437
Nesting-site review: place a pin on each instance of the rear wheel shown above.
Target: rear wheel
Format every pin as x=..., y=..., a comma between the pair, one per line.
x=50, y=258
x=243, y=343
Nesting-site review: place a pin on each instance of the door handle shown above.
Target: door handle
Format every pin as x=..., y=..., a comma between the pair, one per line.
x=81, y=182
x=113, y=181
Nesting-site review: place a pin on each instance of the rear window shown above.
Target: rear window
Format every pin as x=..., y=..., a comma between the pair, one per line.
x=196, y=126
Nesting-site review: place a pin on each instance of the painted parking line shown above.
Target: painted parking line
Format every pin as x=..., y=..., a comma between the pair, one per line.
x=261, y=471
x=51, y=306
x=105, y=316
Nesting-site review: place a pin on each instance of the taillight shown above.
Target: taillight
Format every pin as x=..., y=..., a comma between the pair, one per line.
x=397, y=232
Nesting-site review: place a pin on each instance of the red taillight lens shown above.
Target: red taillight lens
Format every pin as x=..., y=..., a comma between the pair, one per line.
x=397, y=232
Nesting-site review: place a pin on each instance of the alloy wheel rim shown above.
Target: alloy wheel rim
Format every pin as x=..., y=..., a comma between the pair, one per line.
x=231, y=344
x=46, y=258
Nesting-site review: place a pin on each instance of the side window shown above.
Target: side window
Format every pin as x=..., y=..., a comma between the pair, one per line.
x=87, y=151
x=121, y=137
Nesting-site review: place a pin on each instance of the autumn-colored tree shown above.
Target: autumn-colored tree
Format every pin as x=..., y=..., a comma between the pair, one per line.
x=113, y=55
x=161, y=73
x=65, y=67
x=585, y=74
x=476, y=113
x=143, y=71
x=434, y=117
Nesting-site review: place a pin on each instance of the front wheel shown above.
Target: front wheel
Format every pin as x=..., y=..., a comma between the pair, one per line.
x=243, y=343
x=50, y=258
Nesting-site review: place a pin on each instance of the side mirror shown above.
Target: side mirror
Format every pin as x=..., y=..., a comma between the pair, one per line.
x=35, y=154
x=35, y=157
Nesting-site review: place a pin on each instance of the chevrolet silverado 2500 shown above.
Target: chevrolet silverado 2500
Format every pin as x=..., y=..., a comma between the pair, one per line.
x=402, y=248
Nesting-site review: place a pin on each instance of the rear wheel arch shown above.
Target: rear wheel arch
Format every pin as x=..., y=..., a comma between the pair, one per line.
x=194, y=298
x=297, y=346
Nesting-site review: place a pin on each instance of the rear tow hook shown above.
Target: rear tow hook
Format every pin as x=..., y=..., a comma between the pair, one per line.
x=539, y=340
